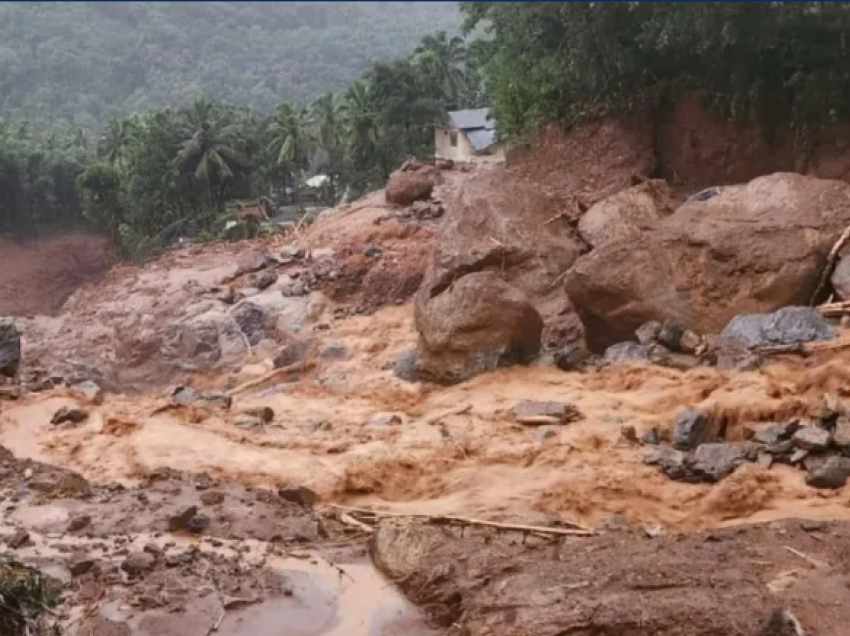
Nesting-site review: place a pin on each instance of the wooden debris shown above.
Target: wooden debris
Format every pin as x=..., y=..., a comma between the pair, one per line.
x=830, y=264
x=574, y=529
x=298, y=367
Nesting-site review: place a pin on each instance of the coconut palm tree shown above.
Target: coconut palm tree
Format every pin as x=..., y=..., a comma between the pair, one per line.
x=288, y=141
x=444, y=59
x=327, y=115
x=116, y=141
x=210, y=151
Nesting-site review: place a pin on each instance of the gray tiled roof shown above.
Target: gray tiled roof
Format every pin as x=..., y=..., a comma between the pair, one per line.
x=481, y=139
x=472, y=119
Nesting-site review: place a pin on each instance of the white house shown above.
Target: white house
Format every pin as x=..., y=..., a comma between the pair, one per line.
x=470, y=135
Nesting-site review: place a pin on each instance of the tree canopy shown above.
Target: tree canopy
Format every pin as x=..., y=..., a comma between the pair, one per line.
x=768, y=63
x=85, y=63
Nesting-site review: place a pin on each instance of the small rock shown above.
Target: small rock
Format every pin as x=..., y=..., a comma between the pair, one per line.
x=654, y=530
x=798, y=456
x=293, y=352
x=571, y=357
x=292, y=252
x=845, y=321
x=264, y=280
x=10, y=392
x=372, y=251
x=776, y=433
x=813, y=462
x=832, y=474
x=652, y=437
x=19, y=539
x=765, y=460
x=178, y=522
x=812, y=525
x=714, y=461
x=533, y=412
x=175, y=559
x=299, y=495
x=333, y=351
x=80, y=563
x=543, y=433
x=670, y=461
x=780, y=623
x=691, y=429
x=669, y=336
x=212, y=497
x=294, y=289
x=197, y=524
x=382, y=420
x=73, y=414
x=138, y=563
x=629, y=434
x=812, y=438
x=263, y=413
x=78, y=523
x=613, y=523
x=648, y=332
x=10, y=348
x=841, y=434
x=789, y=325
x=626, y=352
x=689, y=341
x=153, y=549
x=251, y=262
x=405, y=366
x=183, y=395
x=229, y=296
x=89, y=391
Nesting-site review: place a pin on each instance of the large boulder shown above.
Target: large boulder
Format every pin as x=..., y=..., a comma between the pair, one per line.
x=841, y=277
x=626, y=213
x=414, y=181
x=474, y=325
x=10, y=347
x=789, y=325
x=749, y=248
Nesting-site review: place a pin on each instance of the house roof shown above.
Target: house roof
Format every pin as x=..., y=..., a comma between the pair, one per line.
x=472, y=119
x=481, y=139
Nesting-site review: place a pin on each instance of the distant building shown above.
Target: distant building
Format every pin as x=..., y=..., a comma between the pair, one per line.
x=469, y=135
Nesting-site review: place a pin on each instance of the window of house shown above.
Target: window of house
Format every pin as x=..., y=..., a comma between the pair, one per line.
x=453, y=139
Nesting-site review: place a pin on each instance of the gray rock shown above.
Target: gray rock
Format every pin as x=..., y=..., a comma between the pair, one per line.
x=764, y=459
x=217, y=399
x=292, y=252
x=648, y=332
x=293, y=352
x=333, y=351
x=10, y=348
x=80, y=563
x=19, y=539
x=689, y=341
x=73, y=414
x=832, y=474
x=570, y=357
x=138, y=563
x=669, y=336
x=712, y=462
x=251, y=319
x=841, y=434
x=299, y=495
x=197, y=524
x=89, y=391
x=652, y=437
x=372, y=251
x=626, y=352
x=812, y=438
x=789, y=325
x=532, y=412
x=798, y=456
x=78, y=522
x=264, y=280
x=294, y=289
x=183, y=395
x=691, y=429
x=670, y=461
x=405, y=366
x=780, y=623
x=212, y=497
x=263, y=413
x=776, y=433
x=244, y=420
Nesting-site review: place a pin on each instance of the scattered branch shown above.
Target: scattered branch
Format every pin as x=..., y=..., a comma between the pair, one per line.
x=830, y=264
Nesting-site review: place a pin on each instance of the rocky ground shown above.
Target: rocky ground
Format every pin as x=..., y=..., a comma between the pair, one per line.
x=430, y=393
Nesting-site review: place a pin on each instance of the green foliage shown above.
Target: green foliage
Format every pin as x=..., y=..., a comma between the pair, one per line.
x=25, y=598
x=85, y=63
x=769, y=63
x=168, y=173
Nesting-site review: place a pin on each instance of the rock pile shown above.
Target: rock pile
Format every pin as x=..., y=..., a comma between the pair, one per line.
x=821, y=447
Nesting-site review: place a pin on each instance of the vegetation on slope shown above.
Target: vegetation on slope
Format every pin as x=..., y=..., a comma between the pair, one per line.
x=84, y=63
x=767, y=63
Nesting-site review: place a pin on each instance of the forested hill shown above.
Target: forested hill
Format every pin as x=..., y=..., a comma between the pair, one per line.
x=84, y=63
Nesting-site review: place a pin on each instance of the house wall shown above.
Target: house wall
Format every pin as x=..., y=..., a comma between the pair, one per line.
x=444, y=149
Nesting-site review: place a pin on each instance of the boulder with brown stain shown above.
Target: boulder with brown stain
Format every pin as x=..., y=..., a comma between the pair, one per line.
x=476, y=324
x=414, y=181
x=749, y=248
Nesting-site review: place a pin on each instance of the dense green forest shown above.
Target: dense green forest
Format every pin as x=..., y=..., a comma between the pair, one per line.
x=168, y=172
x=771, y=64
x=84, y=63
